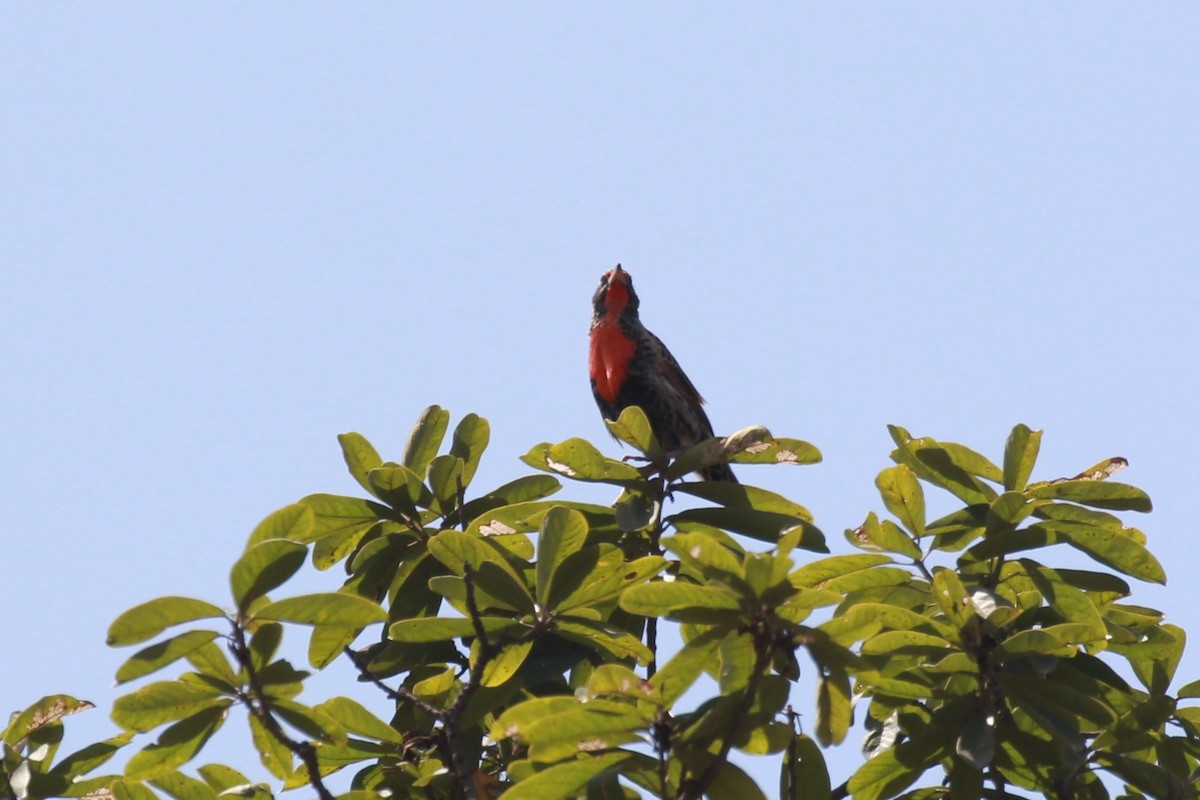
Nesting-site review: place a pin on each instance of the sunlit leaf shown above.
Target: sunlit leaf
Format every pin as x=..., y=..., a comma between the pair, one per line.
x=901, y=492
x=579, y=459
x=150, y=619
x=563, y=532
x=1020, y=453
x=426, y=438
x=565, y=779
x=470, y=439
x=327, y=608
x=360, y=458
x=633, y=428
x=1098, y=494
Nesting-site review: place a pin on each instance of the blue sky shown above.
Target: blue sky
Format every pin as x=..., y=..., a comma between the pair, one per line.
x=233, y=231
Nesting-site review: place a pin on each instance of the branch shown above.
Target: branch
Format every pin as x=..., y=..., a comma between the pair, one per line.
x=399, y=695
x=260, y=707
x=695, y=789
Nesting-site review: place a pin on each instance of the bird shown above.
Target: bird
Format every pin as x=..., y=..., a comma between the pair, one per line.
x=630, y=366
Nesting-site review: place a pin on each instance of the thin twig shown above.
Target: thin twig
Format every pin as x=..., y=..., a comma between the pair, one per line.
x=462, y=500
x=695, y=789
x=399, y=694
x=260, y=707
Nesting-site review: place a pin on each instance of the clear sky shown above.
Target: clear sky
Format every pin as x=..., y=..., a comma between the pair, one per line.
x=229, y=232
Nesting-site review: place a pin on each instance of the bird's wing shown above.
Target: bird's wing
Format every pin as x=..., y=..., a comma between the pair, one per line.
x=675, y=374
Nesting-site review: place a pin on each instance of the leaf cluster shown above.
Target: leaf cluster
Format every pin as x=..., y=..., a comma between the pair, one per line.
x=513, y=637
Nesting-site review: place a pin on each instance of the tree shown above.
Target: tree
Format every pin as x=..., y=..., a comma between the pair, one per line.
x=513, y=639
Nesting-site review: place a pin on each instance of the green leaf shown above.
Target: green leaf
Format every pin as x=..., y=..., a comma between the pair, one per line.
x=563, y=532
x=161, y=654
x=263, y=567
x=445, y=475
x=901, y=492
x=327, y=642
x=360, y=458
x=902, y=643
x=817, y=573
x=400, y=487
x=1109, y=547
x=150, y=619
x=579, y=459
x=471, y=437
x=355, y=717
x=273, y=754
x=183, y=787
x=607, y=640
x=131, y=790
x=47, y=711
x=762, y=525
x=952, y=596
x=221, y=777
x=327, y=608
x=294, y=523
x=336, y=515
x=633, y=428
x=490, y=569
x=886, y=536
x=90, y=758
x=1149, y=778
x=1098, y=494
x=804, y=775
x=565, y=780
x=316, y=725
x=661, y=598
x=597, y=574
x=529, y=487
x=437, y=629
x=506, y=663
x=1020, y=453
x=1047, y=696
x=731, y=781
x=739, y=495
x=177, y=745
x=526, y=517
x=160, y=702
x=426, y=438
x=617, y=680
x=778, y=451
x=1024, y=644
x=516, y=720
x=833, y=705
x=264, y=643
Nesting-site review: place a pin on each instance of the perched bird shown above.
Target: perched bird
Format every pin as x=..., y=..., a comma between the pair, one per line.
x=630, y=366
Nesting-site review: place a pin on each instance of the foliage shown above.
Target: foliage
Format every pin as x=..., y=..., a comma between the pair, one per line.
x=513, y=639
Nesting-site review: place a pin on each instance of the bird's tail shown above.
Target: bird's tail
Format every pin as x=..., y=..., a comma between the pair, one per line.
x=718, y=472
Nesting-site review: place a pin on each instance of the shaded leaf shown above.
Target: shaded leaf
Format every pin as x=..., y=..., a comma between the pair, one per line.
x=177, y=745
x=263, y=567
x=161, y=654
